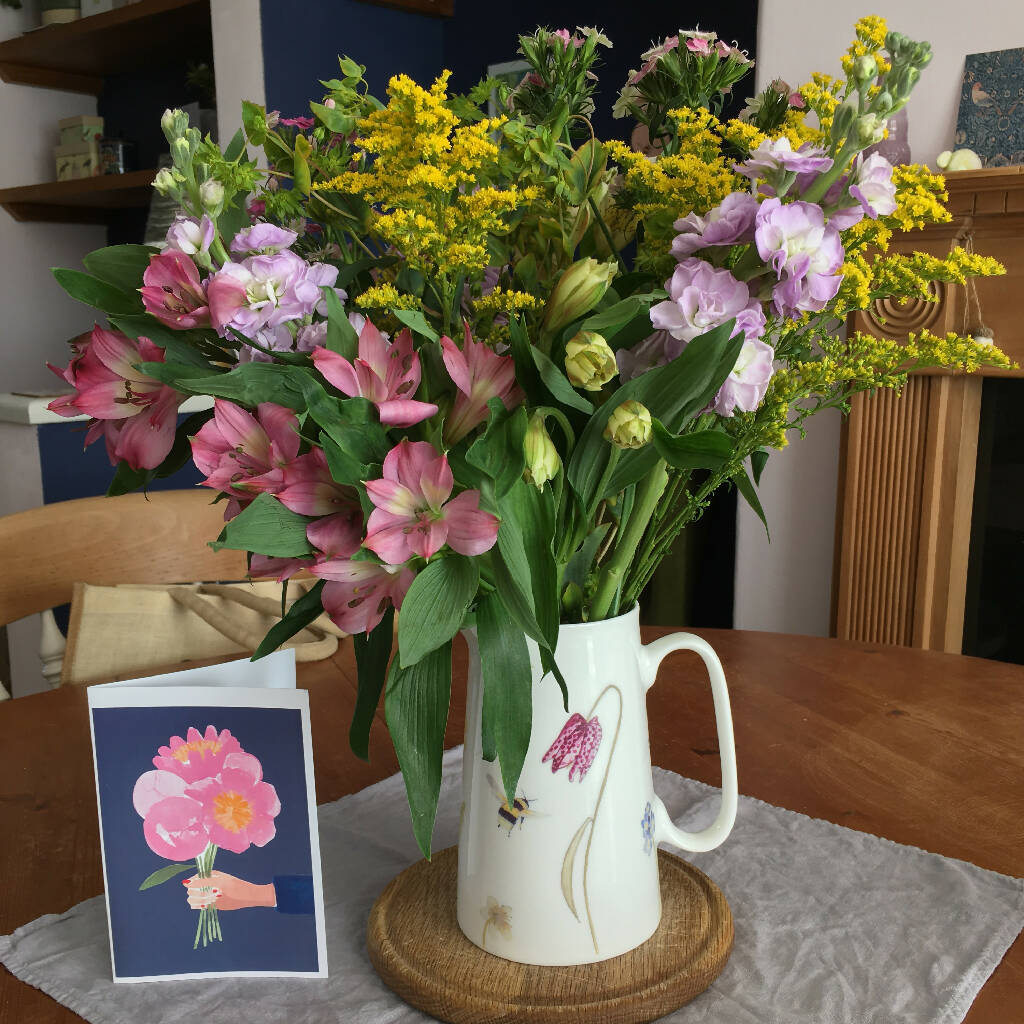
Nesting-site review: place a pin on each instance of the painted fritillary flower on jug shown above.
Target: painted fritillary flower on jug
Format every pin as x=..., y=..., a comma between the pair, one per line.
x=575, y=746
x=647, y=827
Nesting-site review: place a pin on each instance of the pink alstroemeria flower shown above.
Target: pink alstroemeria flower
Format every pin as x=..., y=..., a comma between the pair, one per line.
x=357, y=594
x=480, y=374
x=575, y=746
x=385, y=374
x=310, y=490
x=173, y=293
x=245, y=455
x=238, y=807
x=198, y=755
x=413, y=514
x=135, y=414
x=279, y=569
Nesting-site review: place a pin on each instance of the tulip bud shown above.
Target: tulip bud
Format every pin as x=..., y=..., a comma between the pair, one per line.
x=578, y=290
x=174, y=124
x=211, y=195
x=589, y=362
x=542, y=461
x=629, y=426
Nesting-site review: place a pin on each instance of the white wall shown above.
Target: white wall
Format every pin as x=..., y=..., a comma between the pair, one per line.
x=238, y=60
x=38, y=317
x=786, y=585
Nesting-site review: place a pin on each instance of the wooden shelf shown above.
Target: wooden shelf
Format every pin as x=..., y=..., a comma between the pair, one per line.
x=82, y=201
x=78, y=55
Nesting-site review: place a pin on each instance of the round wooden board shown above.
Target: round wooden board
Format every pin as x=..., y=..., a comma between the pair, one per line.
x=417, y=948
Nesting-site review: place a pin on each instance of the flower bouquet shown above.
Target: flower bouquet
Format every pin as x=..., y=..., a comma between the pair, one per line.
x=484, y=369
x=205, y=793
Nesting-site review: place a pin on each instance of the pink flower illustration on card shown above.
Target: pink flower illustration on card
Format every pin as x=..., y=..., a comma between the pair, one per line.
x=575, y=746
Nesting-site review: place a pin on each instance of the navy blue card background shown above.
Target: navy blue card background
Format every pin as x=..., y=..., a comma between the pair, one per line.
x=154, y=930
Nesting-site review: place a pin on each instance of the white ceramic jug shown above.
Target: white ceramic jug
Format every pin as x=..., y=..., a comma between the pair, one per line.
x=568, y=873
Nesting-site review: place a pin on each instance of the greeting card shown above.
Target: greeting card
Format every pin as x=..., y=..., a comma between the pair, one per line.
x=208, y=827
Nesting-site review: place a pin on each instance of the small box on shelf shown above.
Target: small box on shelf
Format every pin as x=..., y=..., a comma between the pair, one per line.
x=80, y=128
x=78, y=160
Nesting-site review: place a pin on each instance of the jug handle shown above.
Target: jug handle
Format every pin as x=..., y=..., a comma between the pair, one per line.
x=652, y=655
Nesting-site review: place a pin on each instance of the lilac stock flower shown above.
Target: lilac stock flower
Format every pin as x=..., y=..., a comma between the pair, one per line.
x=266, y=291
x=702, y=297
x=728, y=224
x=190, y=236
x=263, y=238
x=656, y=349
x=805, y=253
x=745, y=387
x=873, y=187
x=774, y=155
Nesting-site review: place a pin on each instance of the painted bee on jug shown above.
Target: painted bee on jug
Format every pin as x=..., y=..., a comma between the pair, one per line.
x=510, y=816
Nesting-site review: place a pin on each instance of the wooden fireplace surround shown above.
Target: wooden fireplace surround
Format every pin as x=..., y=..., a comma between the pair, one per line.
x=907, y=462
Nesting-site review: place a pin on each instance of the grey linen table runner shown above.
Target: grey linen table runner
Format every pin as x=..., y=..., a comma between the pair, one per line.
x=832, y=926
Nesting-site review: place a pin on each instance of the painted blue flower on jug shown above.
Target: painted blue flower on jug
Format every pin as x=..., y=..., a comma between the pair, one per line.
x=647, y=825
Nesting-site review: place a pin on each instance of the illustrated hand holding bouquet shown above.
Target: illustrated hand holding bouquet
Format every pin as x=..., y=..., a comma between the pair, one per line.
x=205, y=794
x=438, y=386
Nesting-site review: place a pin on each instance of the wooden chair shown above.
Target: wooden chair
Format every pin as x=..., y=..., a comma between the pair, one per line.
x=134, y=538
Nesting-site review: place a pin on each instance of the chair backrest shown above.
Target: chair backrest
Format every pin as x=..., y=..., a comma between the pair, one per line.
x=134, y=538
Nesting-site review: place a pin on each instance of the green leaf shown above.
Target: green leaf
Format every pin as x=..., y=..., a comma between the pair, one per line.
x=120, y=265
x=499, y=451
x=254, y=120
x=508, y=688
x=415, y=320
x=236, y=147
x=704, y=449
x=344, y=468
x=758, y=459
x=341, y=335
x=416, y=707
x=233, y=218
x=334, y=119
x=746, y=488
x=673, y=393
x=305, y=610
x=268, y=528
x=524, y=541
x=579, y=565
x=373, y=651
x=95, y=292
x=352, y=424
x=163, y=874
x=610, y=322
x=126, y=479
x=558, y=384
x=253, y=383
x=435, y=607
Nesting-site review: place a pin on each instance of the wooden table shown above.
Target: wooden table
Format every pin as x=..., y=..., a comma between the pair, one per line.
x=920, y=747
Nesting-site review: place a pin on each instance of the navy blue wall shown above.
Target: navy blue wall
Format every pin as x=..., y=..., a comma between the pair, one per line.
x=301, y=45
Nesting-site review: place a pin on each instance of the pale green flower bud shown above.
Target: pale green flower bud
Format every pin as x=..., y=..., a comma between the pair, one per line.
x=864, y=69
x=578, y=290
x=542, y=461
x=211, y=195
x=589, y=362
x=181, y=152
x=165, y=183
x=844, y=118
x=629, y=426
x=869, y=129
x=174, y=124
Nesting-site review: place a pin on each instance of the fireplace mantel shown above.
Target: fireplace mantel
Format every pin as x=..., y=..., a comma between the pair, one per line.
x=907, y=462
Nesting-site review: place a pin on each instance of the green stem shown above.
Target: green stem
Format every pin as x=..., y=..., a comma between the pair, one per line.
x=648, y=493
x=607, y=236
